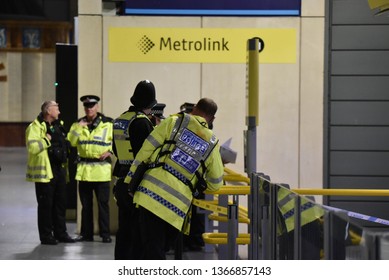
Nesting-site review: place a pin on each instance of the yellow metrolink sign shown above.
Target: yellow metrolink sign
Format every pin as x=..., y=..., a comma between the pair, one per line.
x=199, y=45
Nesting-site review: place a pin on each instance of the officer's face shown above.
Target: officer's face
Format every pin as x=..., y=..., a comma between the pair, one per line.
x=53, y=111
x=91, y=110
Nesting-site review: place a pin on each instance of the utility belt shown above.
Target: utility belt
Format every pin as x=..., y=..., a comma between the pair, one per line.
x=82, y=159
x=92, y=160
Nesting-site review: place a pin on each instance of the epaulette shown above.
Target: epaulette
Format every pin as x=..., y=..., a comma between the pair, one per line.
x=105, y=118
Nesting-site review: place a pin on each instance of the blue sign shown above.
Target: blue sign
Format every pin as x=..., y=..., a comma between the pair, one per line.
x=193, y=141
x=213, y=8
x=121, y=124
x=185, y=160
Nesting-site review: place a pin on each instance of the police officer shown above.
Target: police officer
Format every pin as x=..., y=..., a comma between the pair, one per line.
x=156, y=114
x=93, y=136
x=182, y=151
x=130, y=130
x=194, y=240
x=187, y=107
x=47, y=167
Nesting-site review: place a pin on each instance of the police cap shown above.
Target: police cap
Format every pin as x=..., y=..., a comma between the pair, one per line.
x=89, y=100
x=187, y=107
x=157, y=110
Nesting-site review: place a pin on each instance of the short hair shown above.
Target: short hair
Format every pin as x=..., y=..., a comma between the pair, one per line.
x=45, y=106
x=207, y=106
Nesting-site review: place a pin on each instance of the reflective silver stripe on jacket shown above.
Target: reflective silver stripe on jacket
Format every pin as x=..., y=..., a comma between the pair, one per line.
x=75, y=133
x=153, y=141
x=125, y=161
x=215, y=180
x=286, y=199
x=136, y=162
x=167, y=188
x=162, y=201
x=36, y=168
x=36, y=141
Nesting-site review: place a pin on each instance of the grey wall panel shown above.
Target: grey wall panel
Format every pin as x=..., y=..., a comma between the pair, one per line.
x=354, y=12
x=359, y=113
x=371, y=138
x=360, y=37
x=357, y=124
x=360, y=88
x=360, y=62
x=374, y=209
x=357, y=163
x=360, y=182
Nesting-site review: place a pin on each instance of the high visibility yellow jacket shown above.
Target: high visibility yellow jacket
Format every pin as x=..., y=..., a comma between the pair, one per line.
x=178, y=145
x=91, y=142
x=37, y=143
x=286, y=203
x=124, y=151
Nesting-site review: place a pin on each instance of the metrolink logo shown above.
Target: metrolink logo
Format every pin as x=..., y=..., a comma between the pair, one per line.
x=199, y=45
x=145, y=45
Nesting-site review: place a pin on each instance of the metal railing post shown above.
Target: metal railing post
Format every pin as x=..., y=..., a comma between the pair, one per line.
x=223, y=227
x=232, y=231
x=327, y=227
x=273, y=222
x=297, y=229
x=265, y=218
x=252, y=209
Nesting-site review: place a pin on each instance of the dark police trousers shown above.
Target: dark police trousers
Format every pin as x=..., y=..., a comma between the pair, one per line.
x=101, y=190
x=127, y=246
x=51, y=198
x=154, y=235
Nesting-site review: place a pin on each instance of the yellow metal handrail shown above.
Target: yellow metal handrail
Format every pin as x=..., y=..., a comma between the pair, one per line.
x=342, y=192
x=222, y=238
x=232, y=176
x=245, y=190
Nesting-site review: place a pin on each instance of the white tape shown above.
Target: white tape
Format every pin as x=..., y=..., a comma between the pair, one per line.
x=360, y=216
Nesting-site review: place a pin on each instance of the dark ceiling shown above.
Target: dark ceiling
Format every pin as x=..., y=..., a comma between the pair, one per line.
x=52, y=10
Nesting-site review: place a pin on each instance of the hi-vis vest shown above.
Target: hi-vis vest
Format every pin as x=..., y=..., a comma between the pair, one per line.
x=121, y=137
x=90, y=146
x=309, y=210
x=38, y=164
x=177, y=146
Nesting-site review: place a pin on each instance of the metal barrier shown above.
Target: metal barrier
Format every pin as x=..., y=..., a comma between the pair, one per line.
x=299, y=228
x=284, y=224
x=228, y=214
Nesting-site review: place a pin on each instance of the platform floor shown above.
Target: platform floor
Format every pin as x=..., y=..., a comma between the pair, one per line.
x=19, y=238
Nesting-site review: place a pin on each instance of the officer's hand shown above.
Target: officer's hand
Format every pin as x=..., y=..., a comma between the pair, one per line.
x=83, y=122
x=104, y=156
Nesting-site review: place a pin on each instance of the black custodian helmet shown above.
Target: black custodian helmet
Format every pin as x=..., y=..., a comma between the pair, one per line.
x=144, y=95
